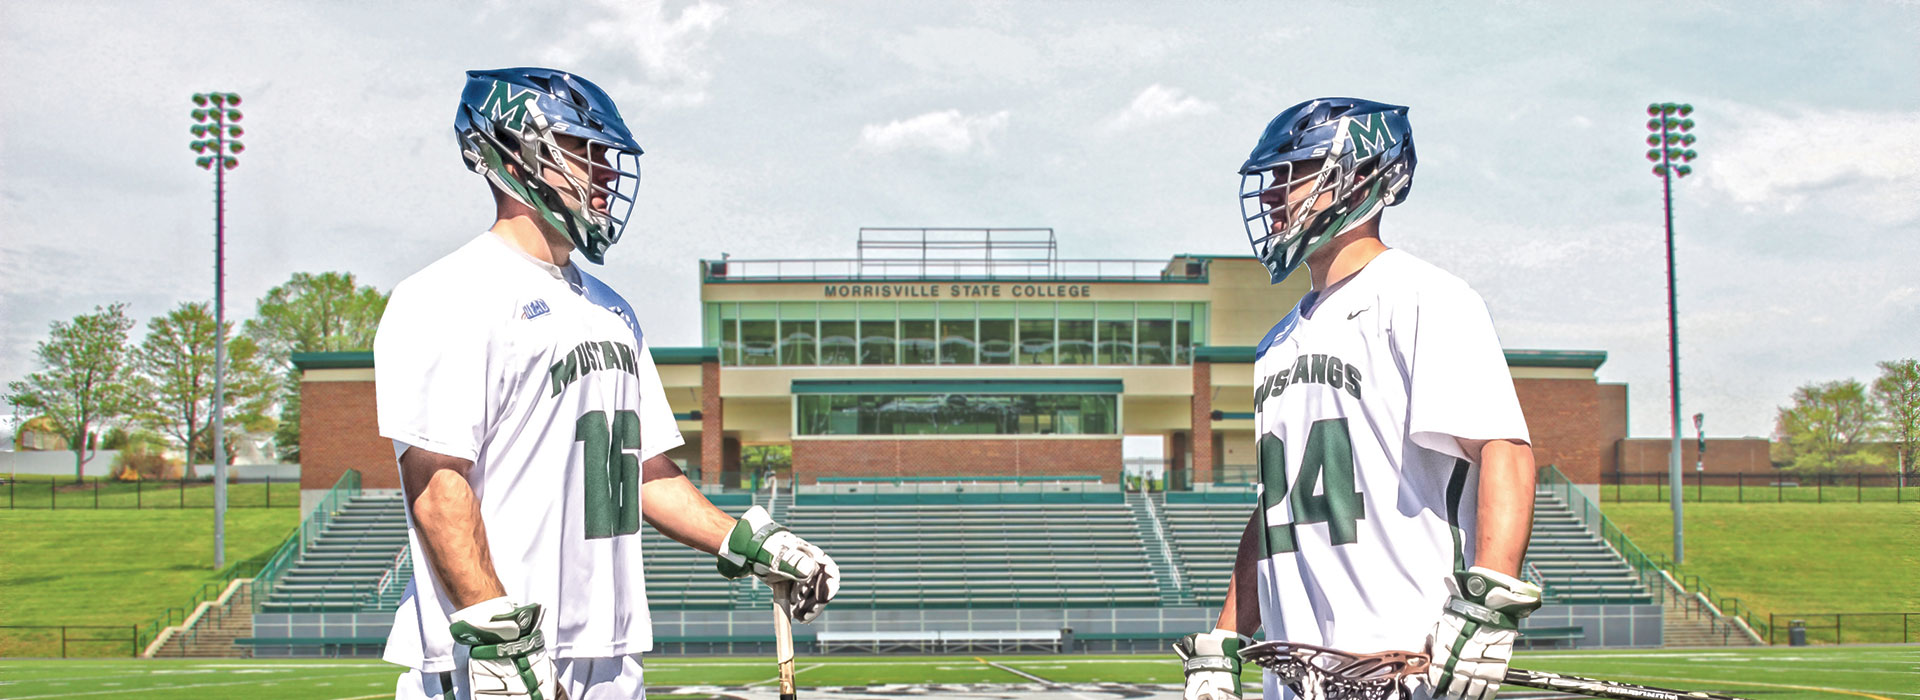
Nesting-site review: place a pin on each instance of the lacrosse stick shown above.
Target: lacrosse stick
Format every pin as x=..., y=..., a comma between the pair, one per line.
x=1319, y=673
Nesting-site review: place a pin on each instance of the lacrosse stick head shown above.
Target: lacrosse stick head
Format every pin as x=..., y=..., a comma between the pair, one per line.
x=1319, y=673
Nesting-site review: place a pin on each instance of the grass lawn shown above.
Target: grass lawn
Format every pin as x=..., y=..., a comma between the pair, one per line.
x=1825, y=673
x=120, y=567
x=41, y=492
x=1792, y=557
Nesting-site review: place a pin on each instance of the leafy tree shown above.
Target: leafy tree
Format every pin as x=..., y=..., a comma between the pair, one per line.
x=177, y=366
x=1897, y=393
x=325, y=312
x=85, y=381
x=1828, y=428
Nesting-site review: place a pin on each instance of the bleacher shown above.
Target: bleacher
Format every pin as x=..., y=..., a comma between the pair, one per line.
x=1577, y=567
x=343, y=567
x=982, y=554
x=938, y=554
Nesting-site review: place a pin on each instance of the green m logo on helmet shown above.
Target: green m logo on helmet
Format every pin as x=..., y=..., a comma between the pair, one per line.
x=508, y=107
x=1369, y=134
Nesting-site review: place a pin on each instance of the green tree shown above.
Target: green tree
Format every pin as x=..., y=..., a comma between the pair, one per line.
x=1828, y=428
x=325, y=312
x=1897, y=393
x=176, y=364
x=85, y=382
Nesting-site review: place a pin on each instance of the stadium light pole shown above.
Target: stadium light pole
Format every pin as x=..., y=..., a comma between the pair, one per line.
x=1671, y=150
x=216, y=117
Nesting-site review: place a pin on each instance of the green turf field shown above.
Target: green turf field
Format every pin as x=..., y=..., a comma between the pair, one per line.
x=117, y=567
x=1832, y=673
x=1789, y=558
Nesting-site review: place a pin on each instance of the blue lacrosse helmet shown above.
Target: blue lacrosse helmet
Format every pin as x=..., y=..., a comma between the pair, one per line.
x=515, y=116
x=1359, y=151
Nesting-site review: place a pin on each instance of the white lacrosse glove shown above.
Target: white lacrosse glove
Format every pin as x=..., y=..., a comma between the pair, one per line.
x=759, y=546
x=507, y=656
x=1211, y=661
x=1473, y=641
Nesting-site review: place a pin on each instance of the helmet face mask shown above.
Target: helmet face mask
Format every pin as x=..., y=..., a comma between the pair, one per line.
x=515, y=127
x=1355, y=153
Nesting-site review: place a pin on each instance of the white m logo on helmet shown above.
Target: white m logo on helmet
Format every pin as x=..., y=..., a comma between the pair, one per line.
x=1369, y=134
x=507, y=106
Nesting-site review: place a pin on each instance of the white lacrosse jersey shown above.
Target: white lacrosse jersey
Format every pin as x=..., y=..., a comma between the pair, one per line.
x=1366, y=499
x=540, y=375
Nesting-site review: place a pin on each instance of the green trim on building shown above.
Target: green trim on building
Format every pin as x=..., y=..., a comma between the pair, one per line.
x=958, y=386
x=1582, y=359
x=1224, y=354
x=693, y=355
x=360, y=359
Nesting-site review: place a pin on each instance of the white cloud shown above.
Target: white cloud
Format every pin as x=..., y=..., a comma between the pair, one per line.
x=1866, y=162
x=664, y=57
x=1158, y=103
x=947, y=132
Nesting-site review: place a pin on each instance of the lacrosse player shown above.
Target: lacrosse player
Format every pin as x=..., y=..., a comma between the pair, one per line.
x=1396, y=476
x=530, y=426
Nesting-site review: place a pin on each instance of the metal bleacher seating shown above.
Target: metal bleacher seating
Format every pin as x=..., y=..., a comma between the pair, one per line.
x=343, y=567
x=1577, y=567
x=983, y=554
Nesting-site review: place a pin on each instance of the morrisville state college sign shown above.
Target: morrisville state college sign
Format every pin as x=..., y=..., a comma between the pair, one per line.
x=960, y=291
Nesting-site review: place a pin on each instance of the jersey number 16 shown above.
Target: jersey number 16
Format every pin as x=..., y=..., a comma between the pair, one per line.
x=612, y=488
x=1329, y=453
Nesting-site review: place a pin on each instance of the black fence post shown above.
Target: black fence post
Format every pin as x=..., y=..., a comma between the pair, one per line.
x=183, y=484
x=96, y=493
x=63, y=641
x=53, y=503
x=139, y=491
x=1820, y=492
x=269, y=492
x=1779, y=489
x=1741, y=486
x=134, y=636
x=1700, y=490
x=1859, y=486
x=1837, y=619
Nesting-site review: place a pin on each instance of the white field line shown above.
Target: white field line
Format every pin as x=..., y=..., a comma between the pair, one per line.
x=1756, y=668
x=776, y=679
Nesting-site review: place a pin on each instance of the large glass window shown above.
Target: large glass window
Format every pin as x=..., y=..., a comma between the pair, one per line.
x=1036, y=341
x=918, y=340
x=958, y=414
x=1075, y=346
x=839, y=342
x=876, y=341
x=1115, y=329
x=759, y=334
x=1153, y=338
x=957, y=343
x=728, y=319
x=996, y=341
x=1183, y=334
x=796, y=342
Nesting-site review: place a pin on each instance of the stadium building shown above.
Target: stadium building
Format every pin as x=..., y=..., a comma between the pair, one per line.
x=970, y=392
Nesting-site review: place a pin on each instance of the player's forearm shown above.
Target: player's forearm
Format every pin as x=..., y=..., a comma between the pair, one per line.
x=1506, y=506
x=454, y=538
x=1236, y=614
x=673, y=506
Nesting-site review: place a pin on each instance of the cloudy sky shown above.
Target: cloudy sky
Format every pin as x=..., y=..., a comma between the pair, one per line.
x=778, y=129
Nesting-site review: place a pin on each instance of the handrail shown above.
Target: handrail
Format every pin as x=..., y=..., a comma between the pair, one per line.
x=315, y=523
x=1160, y=533
x=387, y=578
x=1645, y=568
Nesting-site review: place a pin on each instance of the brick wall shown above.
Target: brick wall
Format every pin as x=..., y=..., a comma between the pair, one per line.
x=813, y=459
x=1565, y=420
x=338, y=431
x=1724, y=456
x=1203, y=441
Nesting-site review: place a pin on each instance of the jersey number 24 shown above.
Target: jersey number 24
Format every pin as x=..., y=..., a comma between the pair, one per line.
x=612, y=488
x=1328, y=458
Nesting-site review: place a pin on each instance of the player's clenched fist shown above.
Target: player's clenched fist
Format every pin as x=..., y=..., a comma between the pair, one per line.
x=759, y=546
x=507, y=656
x=1473, y=641
x=1211, y=661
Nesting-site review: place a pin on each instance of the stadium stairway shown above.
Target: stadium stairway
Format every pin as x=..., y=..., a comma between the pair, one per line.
x=340, y=571
x=1146, y=509
x=213, y=636
x=1577, y=566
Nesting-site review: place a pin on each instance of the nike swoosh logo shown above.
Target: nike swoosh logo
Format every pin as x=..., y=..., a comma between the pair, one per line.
x=1356, y=314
